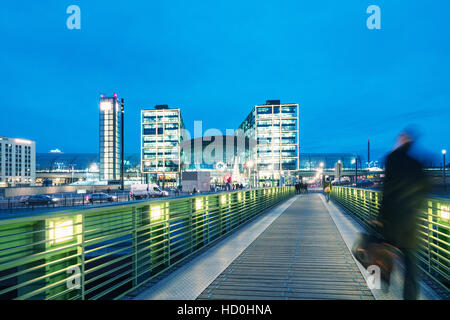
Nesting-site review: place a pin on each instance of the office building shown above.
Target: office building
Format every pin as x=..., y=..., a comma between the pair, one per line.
x=111, y=142
x=17, y=162
x=274, y=127
x=161, y=136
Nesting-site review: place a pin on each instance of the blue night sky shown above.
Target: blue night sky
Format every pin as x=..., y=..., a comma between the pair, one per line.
x=217, y=59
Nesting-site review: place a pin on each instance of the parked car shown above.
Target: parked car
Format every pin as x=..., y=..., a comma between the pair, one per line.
x=100, y=197
x=142, y=191
x=365, y=183
x=172, y=189
x=40, y=199
x=23, y=199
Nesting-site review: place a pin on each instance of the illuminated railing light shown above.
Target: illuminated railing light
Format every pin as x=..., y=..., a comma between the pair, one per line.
x=445, y=214
x=239, y=197
x=60, y=231
x=155, y=213
x=223, y=199
x=198, y=204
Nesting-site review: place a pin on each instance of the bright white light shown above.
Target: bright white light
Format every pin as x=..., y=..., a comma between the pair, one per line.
x=445, y=214
x=223, y=199
x=444, y=151
x=155, y=213
x=198, y=204
x=22, y=141
x=250, y=163
x=93, y=167
x=105, y=105
x=321, y=164
x=61, y=231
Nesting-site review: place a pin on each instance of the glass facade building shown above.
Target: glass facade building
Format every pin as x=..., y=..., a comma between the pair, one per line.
x=161, y=136
x=274, y=127
x=111, y=121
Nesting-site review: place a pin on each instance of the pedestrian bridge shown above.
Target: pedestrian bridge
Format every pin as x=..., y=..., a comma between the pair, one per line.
x=252, y=244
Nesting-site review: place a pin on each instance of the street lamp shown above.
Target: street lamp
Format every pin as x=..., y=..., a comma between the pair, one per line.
x=443, y=169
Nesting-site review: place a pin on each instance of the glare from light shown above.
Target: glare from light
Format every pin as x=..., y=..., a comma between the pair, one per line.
x=223, y=199
x=61, y=231
x=239, y=197
x=250, y=164
x=444, y=151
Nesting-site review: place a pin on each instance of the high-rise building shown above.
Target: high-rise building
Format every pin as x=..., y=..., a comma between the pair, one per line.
x=161, y=136
x=111, y=123
x=274, y=127
x=17, y=162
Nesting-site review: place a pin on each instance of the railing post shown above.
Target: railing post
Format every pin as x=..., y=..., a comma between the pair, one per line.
x=167, y=231
x=83, y=258
x=135, y=246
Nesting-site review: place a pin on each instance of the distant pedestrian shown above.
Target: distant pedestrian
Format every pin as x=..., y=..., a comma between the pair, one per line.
x=327, y=188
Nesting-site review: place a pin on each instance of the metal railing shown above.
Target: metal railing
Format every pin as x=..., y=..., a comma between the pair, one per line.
x=107, y=252
x=14, y=205
x=433, y=222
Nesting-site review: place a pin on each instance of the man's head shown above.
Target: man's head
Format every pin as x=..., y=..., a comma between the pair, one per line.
x=407, y=137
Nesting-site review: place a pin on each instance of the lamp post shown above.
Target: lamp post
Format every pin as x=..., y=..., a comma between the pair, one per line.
x=122, y=149
x=443, y=169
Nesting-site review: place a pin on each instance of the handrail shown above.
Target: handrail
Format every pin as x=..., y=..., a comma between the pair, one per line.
x=434, y=228
x=108, y=252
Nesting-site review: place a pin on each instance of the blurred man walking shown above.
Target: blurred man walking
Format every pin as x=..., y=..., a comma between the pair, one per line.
x=405, y=188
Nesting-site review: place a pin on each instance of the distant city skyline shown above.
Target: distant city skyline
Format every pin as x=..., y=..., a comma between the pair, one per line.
x=216, y=61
